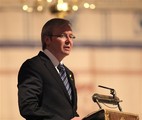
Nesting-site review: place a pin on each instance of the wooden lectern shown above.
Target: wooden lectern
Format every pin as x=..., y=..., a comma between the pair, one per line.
x=105, y=114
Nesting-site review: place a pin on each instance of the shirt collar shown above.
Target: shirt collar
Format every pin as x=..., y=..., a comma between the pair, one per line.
x=53, y=59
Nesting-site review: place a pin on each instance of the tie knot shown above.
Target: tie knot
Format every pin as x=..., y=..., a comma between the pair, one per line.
x=61, y=67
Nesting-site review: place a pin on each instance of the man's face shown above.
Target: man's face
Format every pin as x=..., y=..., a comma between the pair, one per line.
x=61, y=43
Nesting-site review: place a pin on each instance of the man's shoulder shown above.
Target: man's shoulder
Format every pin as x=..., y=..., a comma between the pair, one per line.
x=37, y=57
x=32, y=60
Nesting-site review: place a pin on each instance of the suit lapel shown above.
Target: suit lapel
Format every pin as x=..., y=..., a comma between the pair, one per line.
x=50, y=67
x=71, y=80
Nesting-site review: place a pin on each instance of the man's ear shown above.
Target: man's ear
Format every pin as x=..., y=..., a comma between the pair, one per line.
x=47, y=40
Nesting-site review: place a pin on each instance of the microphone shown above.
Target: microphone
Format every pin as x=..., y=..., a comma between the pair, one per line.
x=112, y=91
x=105, y=99
x=105, y=87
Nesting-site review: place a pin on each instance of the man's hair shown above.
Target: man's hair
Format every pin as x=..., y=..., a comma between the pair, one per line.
x=49, y=27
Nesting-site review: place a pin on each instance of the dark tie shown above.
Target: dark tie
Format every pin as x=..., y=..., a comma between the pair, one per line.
x=64, y=78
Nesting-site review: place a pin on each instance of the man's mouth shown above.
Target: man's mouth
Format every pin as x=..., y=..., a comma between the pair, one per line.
x=67, y=47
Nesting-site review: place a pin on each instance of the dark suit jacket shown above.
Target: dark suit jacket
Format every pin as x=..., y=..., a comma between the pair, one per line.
x=41, y=93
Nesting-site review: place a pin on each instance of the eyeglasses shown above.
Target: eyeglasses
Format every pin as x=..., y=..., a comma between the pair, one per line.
x=64, y=36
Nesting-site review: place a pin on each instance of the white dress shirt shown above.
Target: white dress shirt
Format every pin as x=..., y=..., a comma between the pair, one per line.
x=53, y=59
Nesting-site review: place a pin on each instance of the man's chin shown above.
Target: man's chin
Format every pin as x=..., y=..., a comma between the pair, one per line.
x=66, y=53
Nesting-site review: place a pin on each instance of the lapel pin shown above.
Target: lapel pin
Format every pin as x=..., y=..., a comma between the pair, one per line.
x=71, y=77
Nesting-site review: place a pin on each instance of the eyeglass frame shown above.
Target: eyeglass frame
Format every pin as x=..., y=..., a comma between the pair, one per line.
x=71, y=36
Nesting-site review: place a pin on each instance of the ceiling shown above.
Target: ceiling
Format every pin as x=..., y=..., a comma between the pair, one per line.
x=6, y=5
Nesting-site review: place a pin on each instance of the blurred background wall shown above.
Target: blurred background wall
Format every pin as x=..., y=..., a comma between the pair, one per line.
x=107, y=51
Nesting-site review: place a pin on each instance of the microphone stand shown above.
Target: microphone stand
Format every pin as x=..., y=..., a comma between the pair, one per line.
x=113, y=93
x=98, y=104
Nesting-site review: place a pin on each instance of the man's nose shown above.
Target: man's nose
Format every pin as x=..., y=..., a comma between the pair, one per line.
x=67, y=42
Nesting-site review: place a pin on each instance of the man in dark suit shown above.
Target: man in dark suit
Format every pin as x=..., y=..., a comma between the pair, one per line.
x=42, y=94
